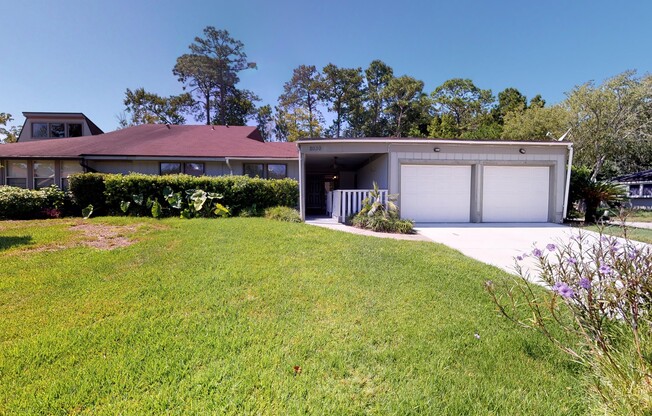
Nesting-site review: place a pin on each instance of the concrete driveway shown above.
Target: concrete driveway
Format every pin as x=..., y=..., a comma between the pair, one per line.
x=495, y=244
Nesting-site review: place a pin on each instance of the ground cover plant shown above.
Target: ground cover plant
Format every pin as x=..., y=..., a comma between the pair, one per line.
x=253, y=316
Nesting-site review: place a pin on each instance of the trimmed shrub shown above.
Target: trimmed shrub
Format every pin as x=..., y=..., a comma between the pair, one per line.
x=136, y=194
x=27, y=204
x=286, y=214
x=87, y=189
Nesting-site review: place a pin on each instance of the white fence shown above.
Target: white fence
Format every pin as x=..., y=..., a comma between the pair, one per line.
x=342, y=203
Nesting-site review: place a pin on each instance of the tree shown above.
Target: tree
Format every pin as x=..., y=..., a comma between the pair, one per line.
x=611, y=120
x=145, y=107
x=537, y=101
x=299, y=104
x=265, y=122
x=536, y=123
x=11, y=134
x=467, y=104
x=342, y=91
x=401, y=94
x=509, y=99
x=377, y=77
x=211, y=72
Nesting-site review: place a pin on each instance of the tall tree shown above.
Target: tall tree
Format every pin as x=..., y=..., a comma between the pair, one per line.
x=467, y=104
x=300, y=103
x=265, y=122
x=144, y=107
x=509, y=99
x=537, y=101
x=342, y=91
x=377, y=77
x=211, y=72
x=611, y=120
x=401, y=94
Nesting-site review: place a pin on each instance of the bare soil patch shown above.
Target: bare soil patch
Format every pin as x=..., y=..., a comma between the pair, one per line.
x=105, y=237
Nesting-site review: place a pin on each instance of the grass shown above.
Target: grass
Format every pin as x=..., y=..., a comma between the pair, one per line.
x=212, y=316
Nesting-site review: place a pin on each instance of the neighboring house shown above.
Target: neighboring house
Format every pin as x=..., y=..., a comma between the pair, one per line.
x=439, y=181
x=639, y=187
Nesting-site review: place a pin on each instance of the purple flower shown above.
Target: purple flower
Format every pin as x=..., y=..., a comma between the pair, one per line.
x=563, y=290
x=519, y=258
x=571, y=260
x=537, y=253
x=632, y=254
x=604, y=269
x=551, y=247
x=585, y=283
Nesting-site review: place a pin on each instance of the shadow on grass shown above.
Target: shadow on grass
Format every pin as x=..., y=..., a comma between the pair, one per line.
x=7, y=242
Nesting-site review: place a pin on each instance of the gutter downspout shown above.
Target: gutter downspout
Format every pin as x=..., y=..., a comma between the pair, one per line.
x=568, y=176
x=228, y=164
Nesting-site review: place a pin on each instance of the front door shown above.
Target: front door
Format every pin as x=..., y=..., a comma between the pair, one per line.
x=315, y=195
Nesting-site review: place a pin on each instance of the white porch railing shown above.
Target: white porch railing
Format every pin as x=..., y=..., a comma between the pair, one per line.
x=342, y=203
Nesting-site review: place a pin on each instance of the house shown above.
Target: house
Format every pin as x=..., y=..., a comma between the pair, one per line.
x=436, y=180
x=639, y=188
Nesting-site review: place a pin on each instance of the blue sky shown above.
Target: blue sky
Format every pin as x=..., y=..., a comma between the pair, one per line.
x=71, y=55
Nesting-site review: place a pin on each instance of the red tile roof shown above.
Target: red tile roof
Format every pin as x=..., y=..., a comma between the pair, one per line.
x=158, y=140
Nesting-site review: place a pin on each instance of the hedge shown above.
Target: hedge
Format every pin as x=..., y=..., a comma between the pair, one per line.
x=27, y=204
x=108, y=193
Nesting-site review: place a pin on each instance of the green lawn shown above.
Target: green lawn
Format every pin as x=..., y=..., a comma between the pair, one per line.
x=211, y=316
x=637, y=234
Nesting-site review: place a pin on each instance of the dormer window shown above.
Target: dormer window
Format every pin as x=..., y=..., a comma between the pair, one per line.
x=74, y=130
x=56, y=130
x=40, y=130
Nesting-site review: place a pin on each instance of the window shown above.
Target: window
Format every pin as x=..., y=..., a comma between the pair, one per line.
x=194, y=169
x=74, y=130
x=39, y=130
x=277, y=171
x=254, y=169
x=68, y=167
x=170, y=168
x=647, y=190
x=43, y=173
x=17, y=173
x=634, y=190
x=57, y=130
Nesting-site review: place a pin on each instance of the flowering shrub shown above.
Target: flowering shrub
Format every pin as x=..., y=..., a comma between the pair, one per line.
x=600, y=293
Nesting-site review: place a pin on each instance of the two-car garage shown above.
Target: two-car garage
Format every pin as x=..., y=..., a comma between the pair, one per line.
x=475, y=193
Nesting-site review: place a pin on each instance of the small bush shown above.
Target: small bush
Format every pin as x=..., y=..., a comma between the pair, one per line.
x=286, y=214
x=600, y=296
x=381, y=216
x=27, y=204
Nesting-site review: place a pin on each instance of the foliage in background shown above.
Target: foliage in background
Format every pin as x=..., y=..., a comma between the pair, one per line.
x=600, y=292
x=381, y=215
x=590, y=194
x=11, y=134
x=286, y=214
x=142, y=107
x=171, y=195
x=25, y=204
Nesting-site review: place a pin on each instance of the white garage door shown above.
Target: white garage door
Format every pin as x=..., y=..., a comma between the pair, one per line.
x=515, y=194
x=436, y=193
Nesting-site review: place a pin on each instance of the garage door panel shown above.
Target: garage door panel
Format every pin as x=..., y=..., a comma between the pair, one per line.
x=436, y=193
x=515, y=193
